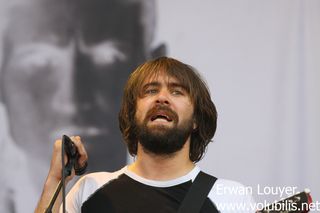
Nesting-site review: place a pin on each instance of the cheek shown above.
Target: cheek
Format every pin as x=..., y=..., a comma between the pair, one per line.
x=142, y=107
x=26, y=96
x=186, y=105
x=138, y=113
x=187, y=111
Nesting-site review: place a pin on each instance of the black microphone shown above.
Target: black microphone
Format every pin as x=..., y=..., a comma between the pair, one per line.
x=73, y=156
x=71, y=151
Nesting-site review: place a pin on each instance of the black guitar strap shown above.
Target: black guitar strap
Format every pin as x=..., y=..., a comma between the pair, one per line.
x=197, y=194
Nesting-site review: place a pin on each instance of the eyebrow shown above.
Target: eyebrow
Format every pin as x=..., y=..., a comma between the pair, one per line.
x=175, y=85
x=154, y=84
x=170, y=85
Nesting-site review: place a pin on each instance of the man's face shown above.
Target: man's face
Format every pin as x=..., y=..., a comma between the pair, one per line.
x=68, y=79
x=164, y=115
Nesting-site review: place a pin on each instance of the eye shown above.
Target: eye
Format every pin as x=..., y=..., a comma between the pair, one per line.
x=106, y=53
x=150, y=91
x=38, y=57
x=177, y=92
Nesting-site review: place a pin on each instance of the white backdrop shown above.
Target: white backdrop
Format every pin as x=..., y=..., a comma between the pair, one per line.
x=261, y=60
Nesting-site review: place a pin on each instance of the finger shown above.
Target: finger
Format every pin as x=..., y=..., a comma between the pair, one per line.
x=57, y=150
x=83, y=156
x=57, y=145
x=70, y=177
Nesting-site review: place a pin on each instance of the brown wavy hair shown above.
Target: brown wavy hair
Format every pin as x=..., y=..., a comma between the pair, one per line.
x=205, y=113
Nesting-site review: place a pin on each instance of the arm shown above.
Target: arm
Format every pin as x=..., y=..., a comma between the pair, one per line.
x=55, y=175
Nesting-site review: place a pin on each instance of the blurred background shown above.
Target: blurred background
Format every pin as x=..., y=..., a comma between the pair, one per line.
x=64, y=63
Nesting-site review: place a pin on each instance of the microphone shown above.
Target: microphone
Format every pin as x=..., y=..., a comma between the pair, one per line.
x=71, y=151
x=73, y=156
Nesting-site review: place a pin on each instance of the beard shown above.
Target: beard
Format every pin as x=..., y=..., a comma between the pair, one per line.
x=161, y=139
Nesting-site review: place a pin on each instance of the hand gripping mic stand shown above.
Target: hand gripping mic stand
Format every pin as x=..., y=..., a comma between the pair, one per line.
x=70, y=149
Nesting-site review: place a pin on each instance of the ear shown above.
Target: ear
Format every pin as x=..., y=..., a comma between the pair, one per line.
x=195, y=125
x=160, y=50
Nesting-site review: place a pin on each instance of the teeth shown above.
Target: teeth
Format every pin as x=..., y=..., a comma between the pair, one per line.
x=160, y=118
x=163, y=118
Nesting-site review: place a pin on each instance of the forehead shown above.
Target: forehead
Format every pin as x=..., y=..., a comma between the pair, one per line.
x=94, y=20
x=161, y=78
x=99, y=19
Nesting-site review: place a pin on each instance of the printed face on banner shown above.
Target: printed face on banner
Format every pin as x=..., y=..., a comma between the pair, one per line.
x=64, y=71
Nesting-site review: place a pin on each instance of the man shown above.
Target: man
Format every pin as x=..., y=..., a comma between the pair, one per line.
x=167, y=119
x=64, y=64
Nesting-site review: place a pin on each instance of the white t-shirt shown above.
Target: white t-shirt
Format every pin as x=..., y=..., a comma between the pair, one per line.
x=225, y=195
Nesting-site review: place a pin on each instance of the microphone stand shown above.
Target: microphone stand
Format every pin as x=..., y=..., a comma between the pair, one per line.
x=72, y=155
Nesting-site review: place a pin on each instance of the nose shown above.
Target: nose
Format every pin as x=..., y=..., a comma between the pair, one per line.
x=84, y=82
x=63, y=97
x=92, y=91
x=63, y=100
x=163, y=97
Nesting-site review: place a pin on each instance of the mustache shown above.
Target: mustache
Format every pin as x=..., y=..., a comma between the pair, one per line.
x=164, y=109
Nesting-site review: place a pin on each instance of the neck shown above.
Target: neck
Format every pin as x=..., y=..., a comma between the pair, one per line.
x=160, y=167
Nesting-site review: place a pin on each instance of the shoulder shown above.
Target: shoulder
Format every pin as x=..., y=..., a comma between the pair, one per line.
x=86, y=186
x=230, y=195
x=89, y=183
x=99, y=178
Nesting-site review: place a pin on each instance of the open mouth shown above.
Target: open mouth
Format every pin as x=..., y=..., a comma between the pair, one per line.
x=161, y=116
